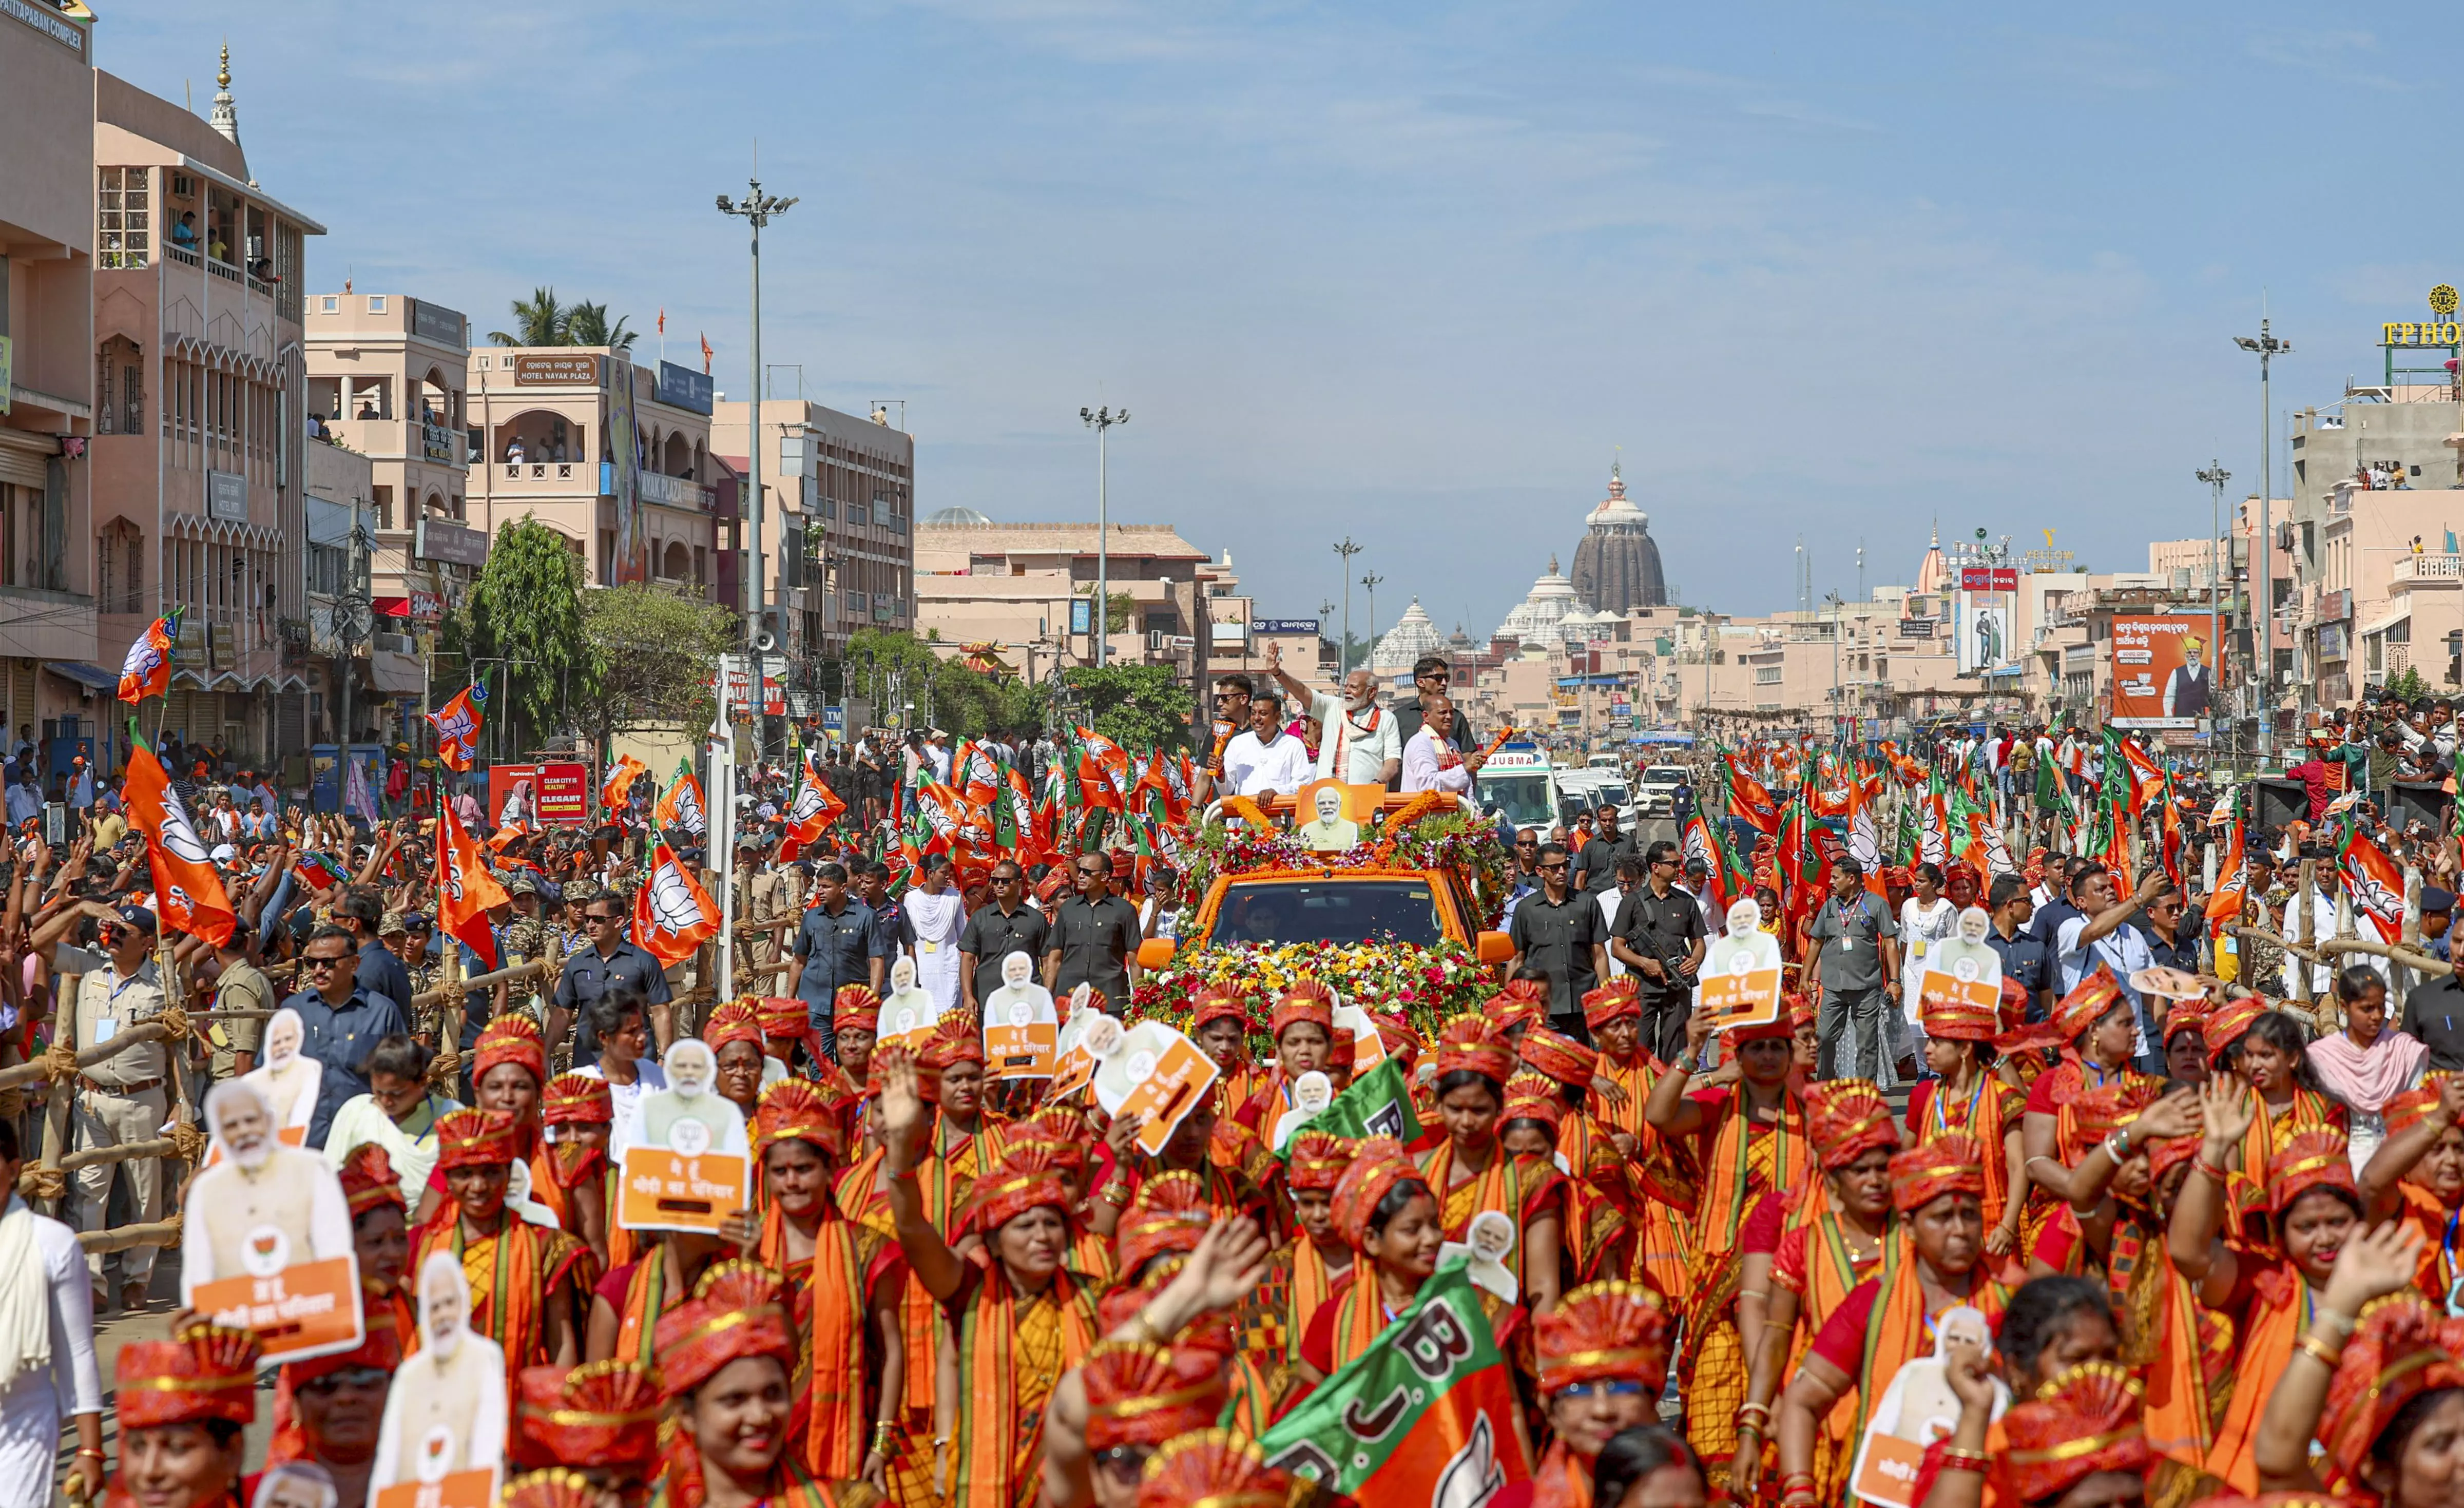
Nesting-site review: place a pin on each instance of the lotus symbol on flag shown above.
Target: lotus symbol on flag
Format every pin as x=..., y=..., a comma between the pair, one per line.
x=671, y=901
x=689, y=809
x=808, y=803
x=1473, y=1476
x=178, y=835
x=266, y=1252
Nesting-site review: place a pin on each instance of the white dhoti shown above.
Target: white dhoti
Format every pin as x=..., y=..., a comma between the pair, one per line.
x=937, y=920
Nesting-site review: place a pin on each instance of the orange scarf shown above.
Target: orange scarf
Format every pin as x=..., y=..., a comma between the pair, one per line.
x=1514, y=1185
x=860, y=1199
x=649, y=1293
x=1359, y=1314
x=1310, y=1286
x=1667, y=1178
x=510, y=1274
x=1731, y=1182
x=624, y=1245
x=1562, y=1481
x=2440, y=1264
x=997, y=1440
x=1986, y=1113
x=1900, y=1328
x=2278, y=1309
x=2269, y=1131
x=828, y=1380
x=2160, y=1305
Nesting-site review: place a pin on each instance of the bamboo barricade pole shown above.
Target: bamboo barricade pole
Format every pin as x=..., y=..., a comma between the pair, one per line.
x=2305, y=930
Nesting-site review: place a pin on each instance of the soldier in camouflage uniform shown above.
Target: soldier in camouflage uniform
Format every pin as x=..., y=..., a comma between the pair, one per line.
x=430, y=1023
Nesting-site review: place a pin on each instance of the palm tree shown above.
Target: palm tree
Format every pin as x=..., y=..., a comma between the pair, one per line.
x=586, y=325
x=537, y=320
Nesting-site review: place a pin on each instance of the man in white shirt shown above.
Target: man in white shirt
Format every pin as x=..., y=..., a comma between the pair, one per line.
x=1430, y=762
x=1266, y=760
x=2100, y=934
x=1361, y=745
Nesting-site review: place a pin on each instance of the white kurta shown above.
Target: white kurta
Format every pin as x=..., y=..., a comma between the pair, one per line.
x=35, y=1405
x=937, y=920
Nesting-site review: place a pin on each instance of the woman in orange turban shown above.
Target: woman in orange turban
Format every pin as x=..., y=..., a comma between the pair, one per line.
x=2311, y=1210
x=183, y=1407
x=2418, y=1175
x=1386, y=1212
x=2388, y=1404
x=734, y=1036
x=1471, y=1172
x=1603, y=1360
x=725, y=1358
x=1303, y=1028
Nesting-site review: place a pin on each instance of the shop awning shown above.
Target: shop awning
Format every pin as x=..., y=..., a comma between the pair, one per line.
x=93, y=676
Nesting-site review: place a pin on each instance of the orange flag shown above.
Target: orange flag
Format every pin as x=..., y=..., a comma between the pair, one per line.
x=146, y=670
x=465, y=890
x=186, y=890
x=613, y=795
x=817, y=806
x=682, y=805
x=672, y=914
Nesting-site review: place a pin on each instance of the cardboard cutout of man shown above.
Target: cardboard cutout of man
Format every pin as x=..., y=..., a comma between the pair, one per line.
x=689, y=1116
x=445, y=1411
x=289, y=1079
x=262, y=1206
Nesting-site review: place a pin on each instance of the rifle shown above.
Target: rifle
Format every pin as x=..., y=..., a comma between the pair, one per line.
x=1675, y=971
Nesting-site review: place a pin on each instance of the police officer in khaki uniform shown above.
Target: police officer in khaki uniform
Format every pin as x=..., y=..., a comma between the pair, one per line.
x=777, y=905
x=120, y=1098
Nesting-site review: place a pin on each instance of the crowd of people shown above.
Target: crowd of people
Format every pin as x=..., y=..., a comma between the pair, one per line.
x=2154, y=1220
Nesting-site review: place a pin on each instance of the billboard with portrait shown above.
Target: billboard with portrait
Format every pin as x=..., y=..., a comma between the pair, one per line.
x=2164, y=670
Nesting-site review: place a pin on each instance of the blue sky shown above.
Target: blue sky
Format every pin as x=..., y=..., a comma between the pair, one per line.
x=1417, y=271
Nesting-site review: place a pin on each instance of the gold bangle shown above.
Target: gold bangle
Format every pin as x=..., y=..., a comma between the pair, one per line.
x=2318, y=1350
x=1955, y=1459
x=1764, y=1294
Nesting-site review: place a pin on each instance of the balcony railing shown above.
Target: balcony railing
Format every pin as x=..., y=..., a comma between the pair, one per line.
x=183, y=256
x=2437, y=567
x=549, y=476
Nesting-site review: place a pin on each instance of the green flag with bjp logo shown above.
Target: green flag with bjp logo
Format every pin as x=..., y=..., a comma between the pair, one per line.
x=1377, y=1103
x=1426, y=1415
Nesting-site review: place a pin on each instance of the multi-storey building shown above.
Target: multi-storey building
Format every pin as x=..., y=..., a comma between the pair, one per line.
x=201, y=395
x=544, y=421
x=47, y=679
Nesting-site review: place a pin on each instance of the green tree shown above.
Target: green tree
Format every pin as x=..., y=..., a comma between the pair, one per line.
x=654, y=650
x=537, y=320
x=889, y=669
x=1135, y=705
x=586, y=325
x=521, y=627
x=2407, y=684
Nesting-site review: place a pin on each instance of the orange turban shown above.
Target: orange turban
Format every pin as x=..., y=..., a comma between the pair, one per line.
x=1845, y=1118
x=1921, y=1174
x=601, y=1415
x=369, y=1180
x=855, y=1008
x=2088, y=1002
x=1318, y=1159
x=551, y=1488
x=1959, y=1021
x=1305, y=1001
x=1473, y=1044
x=785, y=1015
x=475, y=1139
x=1613, y=1331
x=2314, y=1159
x=1212, y=1469
x=2107, y=1108
x=1025, y=1179
x=511, y=1038
x=2231, y=1022
x=1220, y=1002
x=206, y=1372
x=2083, y=1422
x=793, y=1111
x=1522, y=1002
x=735, y=1313
x=1377, y=1167
x=2186, y=1016
x=1169, y=1218
x=1402, y=1044
x=1147, y=1394
x=735, y=1021
x=1534, y=1097
x=1559, y=1057
x=1614, y=1001
x=2394, y=1357
x=576, y=1100
x=955, y=1042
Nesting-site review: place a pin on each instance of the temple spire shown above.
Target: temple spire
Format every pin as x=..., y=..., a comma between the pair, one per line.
x=225, y=115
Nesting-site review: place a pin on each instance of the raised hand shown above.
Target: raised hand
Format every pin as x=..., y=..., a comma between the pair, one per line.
x=2380, y=1261
x=902, y=1105
x=2227, y=1108
x=2174, y=1115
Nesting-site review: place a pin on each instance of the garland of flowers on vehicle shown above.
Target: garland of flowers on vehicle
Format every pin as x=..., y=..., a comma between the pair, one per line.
x=1424, y=985
x=1422, y=835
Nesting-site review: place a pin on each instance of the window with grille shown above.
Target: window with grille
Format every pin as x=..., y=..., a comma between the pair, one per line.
x=126, y=222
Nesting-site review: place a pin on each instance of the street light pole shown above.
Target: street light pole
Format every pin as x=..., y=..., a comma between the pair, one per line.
x=754, y=208
x=1343, y=652
x=1101, y=421
x=1371, y=581
x=2215, y=477
x=2266, y=347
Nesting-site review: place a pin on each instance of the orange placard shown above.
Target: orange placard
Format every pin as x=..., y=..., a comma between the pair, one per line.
x=1935, y=986
x=663, y=1191
x=1022, y=1052
x=1886, y=1470
x=473, y=1489
x=1742, y=999
x=305, y=1309
x=1169, y=1090
x=1075, y=1071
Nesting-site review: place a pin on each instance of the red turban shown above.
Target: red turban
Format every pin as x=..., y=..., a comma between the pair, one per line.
x=1921, y=1174
x=1845, y=1118
x=206, y=1372
x=1604, y=1332
x=511, y=1038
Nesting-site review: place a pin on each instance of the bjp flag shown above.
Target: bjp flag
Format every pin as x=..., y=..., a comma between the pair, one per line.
x=817, y=806
x=465, y=890
x=147, y=671
x=612, y=796
x=186, y=889
x=682, y=806
x=672, y=914
x=458, y=726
